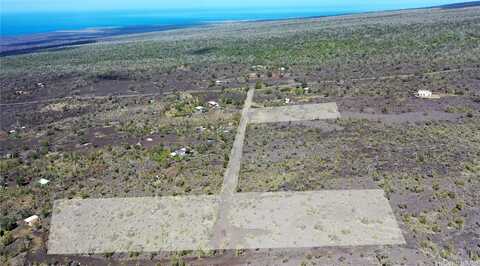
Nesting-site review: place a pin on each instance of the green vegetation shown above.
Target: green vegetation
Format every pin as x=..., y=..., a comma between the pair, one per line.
x=160, y=155
x=183, y=105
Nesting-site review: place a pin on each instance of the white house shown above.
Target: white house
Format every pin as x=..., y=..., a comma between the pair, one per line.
x=32, y=220
x=213, y=104
x=43, y=181
x=424, y=94
x=180, y=153
x=200, y=109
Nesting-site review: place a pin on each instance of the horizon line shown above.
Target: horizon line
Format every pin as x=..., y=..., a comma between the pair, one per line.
x=206, y=8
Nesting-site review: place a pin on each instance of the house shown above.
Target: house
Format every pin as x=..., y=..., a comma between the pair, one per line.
x=32, y=220
x=43, y=181
x=424, y=94
x=200, y=129
x=180, y=153
x=213, y=104
x=200, y=109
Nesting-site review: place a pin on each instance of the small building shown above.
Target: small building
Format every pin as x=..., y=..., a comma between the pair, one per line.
x=43, y=181
x=287, y=100
x=200, y=109
x=180, y=153
x=424, y=94
x=32, y=220
x=213, y=104
x=200, y=129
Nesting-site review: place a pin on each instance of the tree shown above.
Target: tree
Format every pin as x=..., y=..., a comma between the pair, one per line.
x=7, y=224
x=258, y=85
x=6, y=239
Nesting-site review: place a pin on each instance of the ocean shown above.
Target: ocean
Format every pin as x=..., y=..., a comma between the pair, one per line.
x=26, y=23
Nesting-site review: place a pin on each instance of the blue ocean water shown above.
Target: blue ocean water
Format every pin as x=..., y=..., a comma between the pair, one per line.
x=24, y=23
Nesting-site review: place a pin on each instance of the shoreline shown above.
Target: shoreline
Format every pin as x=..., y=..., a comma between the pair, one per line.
x=44, y=42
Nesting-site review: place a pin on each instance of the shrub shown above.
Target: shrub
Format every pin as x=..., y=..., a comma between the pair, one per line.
x=258, y=85
x=160, y=155
x=299, y=91
x=6, y=239
x=184, y=105
x=7, y=224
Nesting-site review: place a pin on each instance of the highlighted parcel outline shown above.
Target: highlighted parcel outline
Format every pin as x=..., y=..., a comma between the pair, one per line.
x=259, y=220
x=294, y=113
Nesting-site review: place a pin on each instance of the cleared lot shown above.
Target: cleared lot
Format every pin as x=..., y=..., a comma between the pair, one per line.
x=259, y=220
x=294, y=113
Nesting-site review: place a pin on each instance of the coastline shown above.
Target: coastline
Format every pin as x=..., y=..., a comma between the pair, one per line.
x=41, y=42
